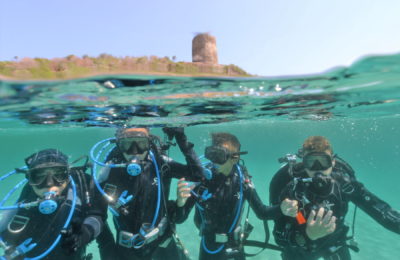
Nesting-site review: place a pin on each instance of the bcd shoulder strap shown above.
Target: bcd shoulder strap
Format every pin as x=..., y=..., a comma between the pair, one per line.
x=344, y=166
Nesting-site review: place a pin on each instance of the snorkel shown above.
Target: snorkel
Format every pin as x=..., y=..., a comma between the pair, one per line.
x=208, y=168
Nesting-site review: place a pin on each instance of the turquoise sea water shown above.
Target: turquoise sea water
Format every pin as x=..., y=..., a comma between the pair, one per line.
x=357, y=108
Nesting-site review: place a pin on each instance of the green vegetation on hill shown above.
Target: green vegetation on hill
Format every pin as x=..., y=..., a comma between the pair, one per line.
x=73, y=66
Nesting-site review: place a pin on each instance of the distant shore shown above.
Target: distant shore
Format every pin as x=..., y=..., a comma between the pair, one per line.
x=72, y=67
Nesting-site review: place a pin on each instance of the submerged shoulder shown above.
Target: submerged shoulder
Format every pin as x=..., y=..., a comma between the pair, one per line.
x=344, y=167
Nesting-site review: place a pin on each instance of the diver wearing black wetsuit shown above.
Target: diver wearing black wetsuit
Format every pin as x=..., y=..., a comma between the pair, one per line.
x=220, y=200
x=332, y=192
x=86, y=223
x=148, y=209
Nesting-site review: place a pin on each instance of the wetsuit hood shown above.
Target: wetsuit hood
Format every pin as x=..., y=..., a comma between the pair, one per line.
x=46, y=158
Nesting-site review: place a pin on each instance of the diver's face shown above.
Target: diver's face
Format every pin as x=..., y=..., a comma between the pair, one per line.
x=226, y=168
x=136, y=145
x=48, y=179
x=326, y=172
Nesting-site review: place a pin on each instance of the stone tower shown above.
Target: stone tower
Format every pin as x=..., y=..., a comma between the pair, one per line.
x=204, y=49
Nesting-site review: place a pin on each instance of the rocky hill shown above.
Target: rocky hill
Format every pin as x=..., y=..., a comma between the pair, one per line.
x=73, y=67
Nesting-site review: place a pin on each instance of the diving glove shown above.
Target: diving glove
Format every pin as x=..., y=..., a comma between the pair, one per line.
x=75, y=237
x=172, y=132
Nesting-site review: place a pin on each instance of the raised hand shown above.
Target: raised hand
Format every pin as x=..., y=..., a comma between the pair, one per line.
x=289, y=207
x=319, y=226
x=172, y=132
x=183, y=192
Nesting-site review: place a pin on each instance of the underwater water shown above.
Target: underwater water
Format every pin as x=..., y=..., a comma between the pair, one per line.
x=356, y=108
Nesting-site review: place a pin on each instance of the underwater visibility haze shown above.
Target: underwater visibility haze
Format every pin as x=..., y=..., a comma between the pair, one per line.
x=356, y=108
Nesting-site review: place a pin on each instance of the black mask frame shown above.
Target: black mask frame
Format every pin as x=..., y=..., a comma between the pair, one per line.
x=220, y=155
x=59, y=176
x=317, y=161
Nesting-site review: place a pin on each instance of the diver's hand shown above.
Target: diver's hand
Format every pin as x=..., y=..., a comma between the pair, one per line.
x=289, y=207
x=172, y=132
x=75, y=237
x=320, y=225
x=183, y=192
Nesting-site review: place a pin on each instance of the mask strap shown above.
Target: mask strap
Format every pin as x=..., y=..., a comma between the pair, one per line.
x=240, y=153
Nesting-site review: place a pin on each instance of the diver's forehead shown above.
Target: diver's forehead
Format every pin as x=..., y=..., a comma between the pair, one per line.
x=137, y=130
x=328, y=152
x=229, y=146
x=133, y=132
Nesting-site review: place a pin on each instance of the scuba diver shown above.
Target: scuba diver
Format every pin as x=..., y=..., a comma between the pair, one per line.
x=220, y=197
x=323, y=184
x=56, y=214
x=135, y=180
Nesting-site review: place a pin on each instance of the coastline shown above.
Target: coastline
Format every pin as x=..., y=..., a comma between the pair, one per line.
x=73, y=67
x=127, y=73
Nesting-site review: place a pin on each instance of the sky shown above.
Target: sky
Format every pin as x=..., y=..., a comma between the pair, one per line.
x=264, y=37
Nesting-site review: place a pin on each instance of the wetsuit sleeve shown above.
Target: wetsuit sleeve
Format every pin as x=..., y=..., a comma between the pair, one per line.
x=284, y=227
x=96, y=214
x=182, y=213
x=193, y=168
x=376, y=208
x=261, y=210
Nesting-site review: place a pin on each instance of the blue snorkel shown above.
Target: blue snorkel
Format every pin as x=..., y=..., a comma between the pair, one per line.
x=47, y=205
x=208, y=168
x=124, y=198
x=206, y=195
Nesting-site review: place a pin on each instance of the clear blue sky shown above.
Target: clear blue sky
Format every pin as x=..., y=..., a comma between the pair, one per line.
x=262, y=36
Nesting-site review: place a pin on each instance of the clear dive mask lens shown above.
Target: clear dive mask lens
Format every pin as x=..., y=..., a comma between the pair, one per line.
x=133, y=145
x=220, y=155
x=317, y=161
x=39, y=176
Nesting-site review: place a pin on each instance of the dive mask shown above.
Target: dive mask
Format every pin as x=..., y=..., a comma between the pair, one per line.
x=317, y=161
x=134, y=145
x=39, y=176
x=220, y=155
